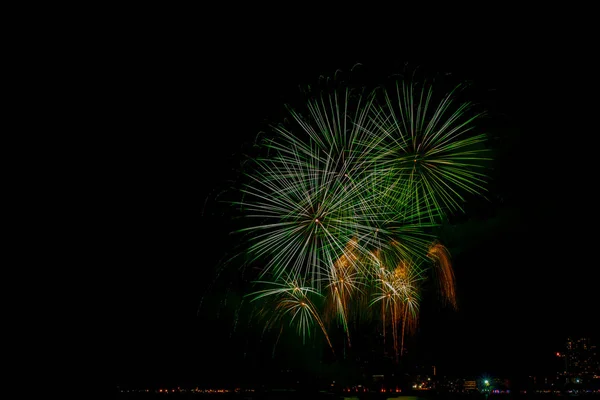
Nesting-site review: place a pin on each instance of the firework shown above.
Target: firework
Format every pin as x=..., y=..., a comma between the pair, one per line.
x=397, y=288
x=440, y=257
x=289, y=299
x=311, y=196
x=340, y=205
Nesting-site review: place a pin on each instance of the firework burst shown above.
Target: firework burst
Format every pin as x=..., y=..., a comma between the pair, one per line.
x=340, y=205
x=423, y=148
x=311, y=196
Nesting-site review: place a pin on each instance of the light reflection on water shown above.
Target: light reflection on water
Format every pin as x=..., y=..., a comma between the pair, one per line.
x=405, y=398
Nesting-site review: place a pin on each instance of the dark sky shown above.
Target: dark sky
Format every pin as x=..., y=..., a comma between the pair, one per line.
x=525, y=262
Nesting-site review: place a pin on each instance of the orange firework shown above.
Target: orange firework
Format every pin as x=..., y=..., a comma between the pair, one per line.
x=343, y=285
x=440, y=257
x=398, y=291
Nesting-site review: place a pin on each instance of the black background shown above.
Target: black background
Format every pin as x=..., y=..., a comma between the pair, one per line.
x=183, y=102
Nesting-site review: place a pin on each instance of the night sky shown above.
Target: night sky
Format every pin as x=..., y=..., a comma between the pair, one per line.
x=525, y=260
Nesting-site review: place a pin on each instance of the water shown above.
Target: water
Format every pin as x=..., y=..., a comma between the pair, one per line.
x=294, y=395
